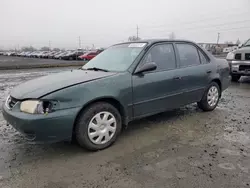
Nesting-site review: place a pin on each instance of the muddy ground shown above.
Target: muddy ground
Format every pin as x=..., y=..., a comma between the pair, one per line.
x=182, y=148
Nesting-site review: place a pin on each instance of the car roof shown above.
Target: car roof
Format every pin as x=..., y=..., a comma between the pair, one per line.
x=152, y=41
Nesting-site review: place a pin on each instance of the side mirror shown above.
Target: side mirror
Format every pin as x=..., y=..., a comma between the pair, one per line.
x=240, y=45
x=146, y=67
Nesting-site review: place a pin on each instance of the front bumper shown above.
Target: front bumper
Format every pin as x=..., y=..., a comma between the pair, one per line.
x=240, y=68
x=53, y=127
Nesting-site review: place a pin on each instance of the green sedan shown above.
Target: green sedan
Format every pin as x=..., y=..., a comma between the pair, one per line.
x=127, y=81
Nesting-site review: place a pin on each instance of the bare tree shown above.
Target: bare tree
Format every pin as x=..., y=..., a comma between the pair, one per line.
x=133, y=38
x=45, y=48
x=172, y=36
x=56, y=49
x=28, y=48
x=238, y=41
x=228, y=42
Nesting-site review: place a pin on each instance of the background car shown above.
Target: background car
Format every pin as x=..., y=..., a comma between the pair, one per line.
x=51, y=54
x=31, y=54
x=20, y=54
x=11, y=53
x=72, y=55
x=41, y=53
x=26, y=54
x=89, y=55
x=44, y=54
x=239, y=61
x=59, y=55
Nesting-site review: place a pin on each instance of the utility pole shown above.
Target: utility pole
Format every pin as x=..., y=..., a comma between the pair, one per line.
x=137, y=32
x=218, y=38
x=79, y=41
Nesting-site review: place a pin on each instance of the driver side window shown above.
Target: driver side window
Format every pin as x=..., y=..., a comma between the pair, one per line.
x=162, y=55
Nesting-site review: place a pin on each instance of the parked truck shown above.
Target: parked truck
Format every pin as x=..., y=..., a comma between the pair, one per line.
x=239, y=61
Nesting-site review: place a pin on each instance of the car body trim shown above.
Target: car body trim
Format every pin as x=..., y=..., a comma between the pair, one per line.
x=165, y=96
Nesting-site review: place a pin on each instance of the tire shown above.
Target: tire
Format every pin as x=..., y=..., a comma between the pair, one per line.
x=207, y=105
x=235, y=78
x=83, y=128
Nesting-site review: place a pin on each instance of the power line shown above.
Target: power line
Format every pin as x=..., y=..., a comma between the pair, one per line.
x=209, y=26
x=197, y=21
x=235, y=28
x=213, y=29
x=191, y=22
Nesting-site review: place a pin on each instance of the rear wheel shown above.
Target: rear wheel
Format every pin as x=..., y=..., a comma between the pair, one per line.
x=210, y=98
x=98, y=126
x=235, y=78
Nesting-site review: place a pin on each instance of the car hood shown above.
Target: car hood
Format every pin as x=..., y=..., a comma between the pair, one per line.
x=243, y=50
x=47, y=84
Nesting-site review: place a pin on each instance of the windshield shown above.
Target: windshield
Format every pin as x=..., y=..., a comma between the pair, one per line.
x=116, y=58
x=247, y=43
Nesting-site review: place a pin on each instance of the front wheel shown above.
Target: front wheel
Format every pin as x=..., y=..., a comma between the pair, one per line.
x=98, y=126
x=210, y=98
x=235, y=78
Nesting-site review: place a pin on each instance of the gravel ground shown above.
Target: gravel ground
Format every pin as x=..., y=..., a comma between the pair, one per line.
x=181, y=148
x=12, y=62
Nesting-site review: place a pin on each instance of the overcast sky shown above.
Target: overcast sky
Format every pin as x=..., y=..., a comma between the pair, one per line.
x=104, y=22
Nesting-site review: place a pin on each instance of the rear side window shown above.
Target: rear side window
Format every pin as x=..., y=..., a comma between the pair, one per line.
x=204, y=59
x=188, y=55
x=163, y=55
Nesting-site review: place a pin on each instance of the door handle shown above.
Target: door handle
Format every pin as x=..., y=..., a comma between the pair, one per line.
x=177, y=78
x=209, y=71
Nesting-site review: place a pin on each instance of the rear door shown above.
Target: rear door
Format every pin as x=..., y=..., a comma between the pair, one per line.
x=194, y=71
x=158, y=90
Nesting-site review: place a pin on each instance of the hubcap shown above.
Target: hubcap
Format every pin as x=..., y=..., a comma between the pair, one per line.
x=212, y=96
x=102, y=128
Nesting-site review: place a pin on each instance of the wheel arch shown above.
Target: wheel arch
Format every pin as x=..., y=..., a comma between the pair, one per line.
x=111, y=100
x=217, y=80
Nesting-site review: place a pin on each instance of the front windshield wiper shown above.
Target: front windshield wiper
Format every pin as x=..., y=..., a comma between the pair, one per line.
x=97, y=69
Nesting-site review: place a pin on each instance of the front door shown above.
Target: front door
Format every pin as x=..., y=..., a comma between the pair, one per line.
x=157, y=90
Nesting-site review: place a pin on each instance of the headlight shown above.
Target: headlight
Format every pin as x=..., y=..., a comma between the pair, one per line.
x=36, y=107
x=230, y=56
x=235, y=66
